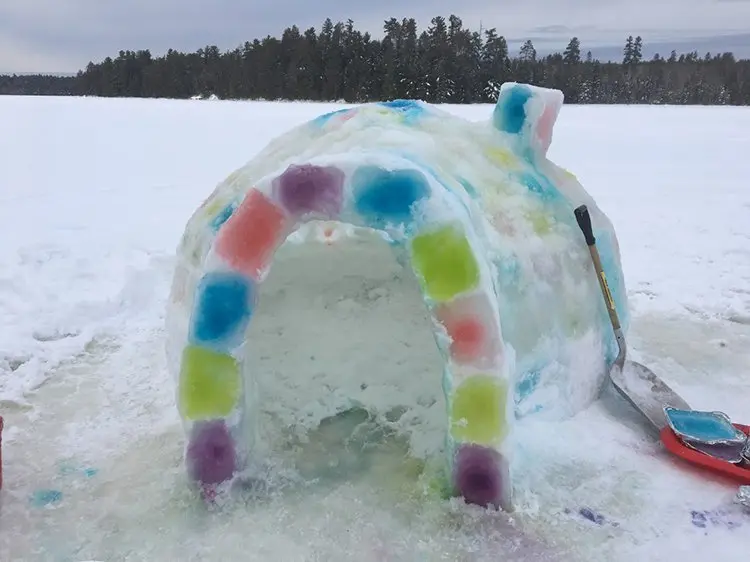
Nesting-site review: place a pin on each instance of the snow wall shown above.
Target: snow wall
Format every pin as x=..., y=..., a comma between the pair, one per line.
x=478, y=213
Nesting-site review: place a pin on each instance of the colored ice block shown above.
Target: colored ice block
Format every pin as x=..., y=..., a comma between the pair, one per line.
x=383, y=197
x=478, y=475
x=503, y=158
x=546, y=124
x=209, y=383
x=224, y=303
x=709, y=428
x=444, y=262
x=536, y=183
x=470, y=324
x=211, y=457
x=469, y=336
x=311, y=189
x=530, y=181
x=510, y=112
x=249, y=238
x=478, y=410
x=410, y=110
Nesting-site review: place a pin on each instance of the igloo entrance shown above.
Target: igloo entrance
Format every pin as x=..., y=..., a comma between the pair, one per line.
x=353, y=333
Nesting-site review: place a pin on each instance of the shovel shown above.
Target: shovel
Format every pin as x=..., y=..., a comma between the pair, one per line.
x=635, y=382
x=653, y=398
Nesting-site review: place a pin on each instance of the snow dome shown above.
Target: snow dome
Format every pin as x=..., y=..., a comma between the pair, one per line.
x=480, y=218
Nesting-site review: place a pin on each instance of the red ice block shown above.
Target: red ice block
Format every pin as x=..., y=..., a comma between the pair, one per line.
x=1, y=452
x=469, y=323
x=249, y=238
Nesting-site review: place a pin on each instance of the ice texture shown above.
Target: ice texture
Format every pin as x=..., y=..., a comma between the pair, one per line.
x=709, y=428
x=485, y=221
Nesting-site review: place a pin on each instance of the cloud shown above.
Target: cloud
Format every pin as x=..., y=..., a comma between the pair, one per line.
x=62, y=36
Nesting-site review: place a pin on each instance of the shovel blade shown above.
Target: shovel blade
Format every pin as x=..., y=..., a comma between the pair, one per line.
x=646, y=392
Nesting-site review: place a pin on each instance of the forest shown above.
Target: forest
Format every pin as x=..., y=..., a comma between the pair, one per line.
x=444, y=63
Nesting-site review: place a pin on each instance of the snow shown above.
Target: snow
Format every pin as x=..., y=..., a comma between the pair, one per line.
x=94, y=195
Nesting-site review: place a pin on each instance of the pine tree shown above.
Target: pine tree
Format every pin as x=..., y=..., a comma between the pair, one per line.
x=628, y=51
x=495, y=64
x=391, y=71
x=526, y=64
x=637, y=52
x=442, y=88
x=445, y=62
x=572, y=53
x=528, y=52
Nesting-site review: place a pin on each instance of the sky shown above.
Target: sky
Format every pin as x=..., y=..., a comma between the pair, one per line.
x=61, y=36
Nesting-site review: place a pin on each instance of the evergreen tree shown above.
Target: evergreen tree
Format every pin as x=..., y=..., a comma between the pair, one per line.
x=444, y=63
x=628, y=51
x=528, y=52
x=637, y=52
x=526, y=64
x=440, y=59
x=572, y=53
x=495, y=65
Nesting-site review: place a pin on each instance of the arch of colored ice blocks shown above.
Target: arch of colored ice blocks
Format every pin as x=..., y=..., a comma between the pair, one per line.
x=486, y=222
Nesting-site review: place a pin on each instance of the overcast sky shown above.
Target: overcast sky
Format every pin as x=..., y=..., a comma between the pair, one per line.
x=64, y=35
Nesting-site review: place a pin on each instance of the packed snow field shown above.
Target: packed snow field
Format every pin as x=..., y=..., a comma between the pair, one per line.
x=94, y=195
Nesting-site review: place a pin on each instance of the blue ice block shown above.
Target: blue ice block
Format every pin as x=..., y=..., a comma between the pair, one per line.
x=708, y=428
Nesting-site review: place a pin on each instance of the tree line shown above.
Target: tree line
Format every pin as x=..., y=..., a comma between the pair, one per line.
x=445, y=63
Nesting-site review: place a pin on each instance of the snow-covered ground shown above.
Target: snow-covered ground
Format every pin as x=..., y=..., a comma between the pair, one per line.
x=94, y=195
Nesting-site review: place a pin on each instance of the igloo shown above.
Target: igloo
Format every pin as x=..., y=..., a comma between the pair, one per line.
x=485, y=222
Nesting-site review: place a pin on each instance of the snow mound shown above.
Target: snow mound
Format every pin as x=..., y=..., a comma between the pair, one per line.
x=480, y=215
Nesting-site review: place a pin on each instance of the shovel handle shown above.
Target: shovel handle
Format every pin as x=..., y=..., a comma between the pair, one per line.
x=584, y=222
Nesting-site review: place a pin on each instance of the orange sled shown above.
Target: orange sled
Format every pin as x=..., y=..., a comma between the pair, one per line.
x=1, y=452
x=678, y=448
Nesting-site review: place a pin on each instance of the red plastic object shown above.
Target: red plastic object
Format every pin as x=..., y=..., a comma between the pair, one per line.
x=675, y=446
x=1, y=452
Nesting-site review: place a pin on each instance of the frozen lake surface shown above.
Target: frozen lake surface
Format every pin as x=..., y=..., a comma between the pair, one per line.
x=94, y=195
